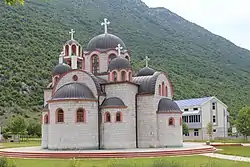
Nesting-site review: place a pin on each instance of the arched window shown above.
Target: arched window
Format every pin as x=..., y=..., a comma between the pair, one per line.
x=118, y=117
x=83, y=63
x=123, y=76
x=130, y=76
x=95, y=64
x=159, y=90
x=171, y=122
x=67, y=50
x=46, y=119
x=56, y=79
x=127, y=57
x=107, y=117
x=111, y=57
x=73, y=49
x=114, y=76
x=166, y=91
x=60, y=116
x=79, y=50
x=162, y=89
x=80, y=115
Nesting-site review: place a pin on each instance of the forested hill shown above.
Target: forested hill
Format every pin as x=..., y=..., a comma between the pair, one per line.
x=198, y=62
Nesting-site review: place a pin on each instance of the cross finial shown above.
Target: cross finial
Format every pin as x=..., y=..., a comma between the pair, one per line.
x=147, y=60
x=72, y=34
x=105, y=24
x=119, y=48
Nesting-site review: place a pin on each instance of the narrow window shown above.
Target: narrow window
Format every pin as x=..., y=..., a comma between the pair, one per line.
x=46, y=119
x=73, y=49
x=118, y=117
x=123, y=76
x=159, y=90
x=171, y=122
x=95, y=64
x=130, y=76
x=166, y=91
x=162, y=89
x=214, y=105
x=186, y=109
x=80, y=115
x=114, y=76
x=107, y=117
x=60, y=116
x=214, y=119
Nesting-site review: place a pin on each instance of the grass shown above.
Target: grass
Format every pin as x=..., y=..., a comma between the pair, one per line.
x=221, y=141
x=20, y=144
x=187, y=161
x=235, y=150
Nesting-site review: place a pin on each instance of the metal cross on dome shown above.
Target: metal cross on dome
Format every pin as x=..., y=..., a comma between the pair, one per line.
x=147, y=60
x=119, y=48
x=72, y=34
x=105, y=24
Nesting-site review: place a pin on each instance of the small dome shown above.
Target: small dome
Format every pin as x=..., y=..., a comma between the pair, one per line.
x=73, y=90
x=146, y=71
x=105, y=41
x=167, y=105
x=112, y=102
x=119, y=63
x=61, y=69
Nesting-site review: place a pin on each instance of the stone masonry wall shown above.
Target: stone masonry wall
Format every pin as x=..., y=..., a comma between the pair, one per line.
x=72, y=135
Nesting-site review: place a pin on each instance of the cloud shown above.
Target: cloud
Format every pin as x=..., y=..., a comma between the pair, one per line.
x=228, y=18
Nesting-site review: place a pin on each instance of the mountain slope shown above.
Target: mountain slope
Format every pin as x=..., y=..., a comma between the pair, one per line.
x=198, y=62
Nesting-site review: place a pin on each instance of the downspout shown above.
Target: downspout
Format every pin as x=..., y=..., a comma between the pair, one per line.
x=136, y=120
x=99, y=123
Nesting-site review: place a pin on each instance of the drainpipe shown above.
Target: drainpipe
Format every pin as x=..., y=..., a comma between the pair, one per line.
x=99, y=123
x=136, y=120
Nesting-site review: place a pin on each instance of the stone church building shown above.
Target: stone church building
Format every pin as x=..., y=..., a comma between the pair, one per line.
x=97, y=101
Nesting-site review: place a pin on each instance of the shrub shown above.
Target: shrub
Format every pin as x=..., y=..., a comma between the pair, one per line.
x=4, y=162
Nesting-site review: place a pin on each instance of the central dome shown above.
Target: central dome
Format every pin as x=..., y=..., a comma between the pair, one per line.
x=105, y=41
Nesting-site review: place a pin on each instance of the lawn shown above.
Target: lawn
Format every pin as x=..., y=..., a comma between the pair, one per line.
x=187, y=161
x=221, y=141
x=20, y=144
x=235, y=150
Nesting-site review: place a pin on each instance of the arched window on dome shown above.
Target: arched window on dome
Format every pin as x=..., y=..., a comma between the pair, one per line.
x=73, y=49
x=127, y=57
x=159, y=90
x=46, y=119
x=67, y=50
x=171, y=121
x=123, y=75
x=166, y=91
x=80, y=115
x=95, y=64
x=114, y=75
x=130, y=76
x=59, y=116
x=118, y=117
x=111, y=57
x=163, y=89
x=107, y=117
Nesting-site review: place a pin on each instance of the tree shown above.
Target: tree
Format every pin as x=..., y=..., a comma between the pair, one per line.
x=210, y=130
x=17, y=126
x=34, y=129
x=14, y=2
x=243, y=122
x=185, y=128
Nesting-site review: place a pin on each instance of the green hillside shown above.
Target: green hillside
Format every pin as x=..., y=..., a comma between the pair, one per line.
x=198, y=62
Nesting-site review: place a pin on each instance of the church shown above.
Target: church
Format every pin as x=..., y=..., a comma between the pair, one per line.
x=96, y=100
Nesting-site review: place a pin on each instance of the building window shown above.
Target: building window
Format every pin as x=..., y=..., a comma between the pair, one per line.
x=195, y=109
x=214, y=105
x=227, y=118
x=196, y=132
x=107, y=117
x=111, y=57
x=127, y=58
x=162, y=89
x=114, y=76
x=46, y=119
x=186, y=109
x=73, y=49
x=95, y=64
x=171, y=122
x=194, y=119
x=60, y=116
x=214, y=119
x=80, y=115
x=130, y=76
x=166, y=91
x=187, y=134
x=118, y=117
x=123, y=76
x=185, y=119
x=214, y=130
x=159, y=90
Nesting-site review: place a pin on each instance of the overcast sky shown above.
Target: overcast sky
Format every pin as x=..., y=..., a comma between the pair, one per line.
x=227, y=18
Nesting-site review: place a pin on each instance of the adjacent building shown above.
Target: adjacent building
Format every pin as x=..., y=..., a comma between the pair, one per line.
x=198, y=112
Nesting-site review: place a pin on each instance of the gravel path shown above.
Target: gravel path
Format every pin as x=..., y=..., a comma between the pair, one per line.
x=228, y=157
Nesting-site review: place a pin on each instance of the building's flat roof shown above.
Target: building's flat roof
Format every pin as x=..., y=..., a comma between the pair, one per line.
x=192, y=102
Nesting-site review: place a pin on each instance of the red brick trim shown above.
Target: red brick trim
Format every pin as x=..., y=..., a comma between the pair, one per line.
x=120, y=82
x=114, y=107
x=60, y=100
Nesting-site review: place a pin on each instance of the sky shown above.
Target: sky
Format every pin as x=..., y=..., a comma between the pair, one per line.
x=227, y=18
